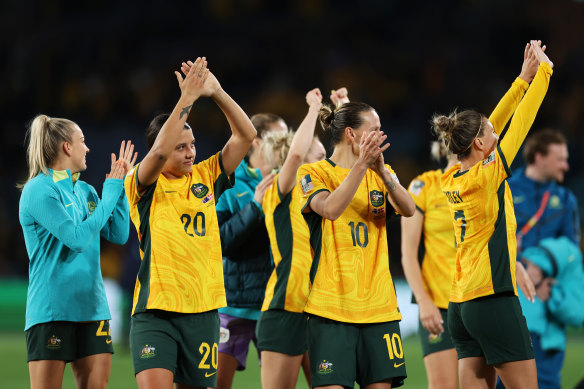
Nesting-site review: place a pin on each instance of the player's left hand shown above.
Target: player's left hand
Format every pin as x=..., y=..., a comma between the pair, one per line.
x=211, y=86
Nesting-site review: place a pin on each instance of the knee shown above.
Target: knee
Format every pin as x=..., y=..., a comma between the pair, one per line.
x=443, y=383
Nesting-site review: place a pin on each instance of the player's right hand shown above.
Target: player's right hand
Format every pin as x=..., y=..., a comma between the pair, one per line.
x=431, y=318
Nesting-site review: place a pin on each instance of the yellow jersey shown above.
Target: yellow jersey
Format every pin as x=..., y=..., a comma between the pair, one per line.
x=289, y=283
x=481, y=205
x=438, y=233
x=350, y=275
x=181, y=268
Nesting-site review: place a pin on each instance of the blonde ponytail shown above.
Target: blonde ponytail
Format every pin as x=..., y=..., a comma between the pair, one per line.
x=45, y=136
x=275, y=147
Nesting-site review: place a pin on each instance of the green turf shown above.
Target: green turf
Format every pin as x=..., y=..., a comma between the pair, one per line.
x=14, y=371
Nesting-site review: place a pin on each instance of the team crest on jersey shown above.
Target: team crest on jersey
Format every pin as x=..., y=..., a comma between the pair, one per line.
x=555, y=202
x=416, y=187
x=325, y=367
x=433, y=339
x=377, y=199
x=54, y=343
x=91, y=205
x=148, y=351
x=199, y=190
x=490, y=159
x=208, y=198
x=306, y=184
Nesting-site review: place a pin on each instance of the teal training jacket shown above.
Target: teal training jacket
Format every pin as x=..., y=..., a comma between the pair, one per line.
x=62, y=218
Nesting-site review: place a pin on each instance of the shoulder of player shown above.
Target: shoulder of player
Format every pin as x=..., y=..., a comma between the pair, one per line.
x=430, y=176
x=40, y=185
x=449, y=174
x=317, y=166
x=315, y=169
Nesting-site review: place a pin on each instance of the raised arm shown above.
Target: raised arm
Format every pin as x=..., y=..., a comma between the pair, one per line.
x=192, y=87
x=242, y=130
x=339, y=96
x=527, y=109
x=411, y=232
x=332, y=205
x=300, y=144
x=507, y=105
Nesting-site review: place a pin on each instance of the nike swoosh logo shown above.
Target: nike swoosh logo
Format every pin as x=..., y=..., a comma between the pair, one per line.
x=396, y=365
x=68, y=205
x=108, y=341
x=170, y=191
x=241, y=194
x=207, y=375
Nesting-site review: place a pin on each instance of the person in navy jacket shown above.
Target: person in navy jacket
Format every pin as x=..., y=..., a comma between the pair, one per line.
x=544, y=209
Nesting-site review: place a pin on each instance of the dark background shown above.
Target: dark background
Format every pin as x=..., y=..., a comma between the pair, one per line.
x=109, y=67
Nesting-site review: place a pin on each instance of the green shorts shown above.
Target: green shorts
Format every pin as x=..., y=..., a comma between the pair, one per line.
x=68, y=341
x=435, y=343
x=492, y=327
x=342, y=353
x=282, y=332
x=184, y=343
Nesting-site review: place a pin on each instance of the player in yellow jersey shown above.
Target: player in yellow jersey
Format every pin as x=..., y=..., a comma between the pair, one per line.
x=484, y=315
x=281, y=328
x=431, y=282
x=175, y=324
x=353, y=322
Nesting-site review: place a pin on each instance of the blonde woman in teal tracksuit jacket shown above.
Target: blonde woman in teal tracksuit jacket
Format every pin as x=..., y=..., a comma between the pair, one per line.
x=62, y=219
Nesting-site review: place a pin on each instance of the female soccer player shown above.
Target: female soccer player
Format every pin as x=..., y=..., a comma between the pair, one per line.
x=62, y=218
x=247, y=264
x=353, y=321
x=484, y=316
x=432, y=281
x=175, y=324
x=281, y=329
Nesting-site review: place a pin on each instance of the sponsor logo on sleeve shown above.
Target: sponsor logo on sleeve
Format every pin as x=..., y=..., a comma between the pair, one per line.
x=306, y=184
x=490, y=159
x=416, y=187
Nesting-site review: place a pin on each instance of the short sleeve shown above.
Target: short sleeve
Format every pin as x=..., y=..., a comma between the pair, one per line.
x=272, y=197
x=392, y=172
x=131, y=186
x=418, y=190
x=493, y=170
x=310, y=182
